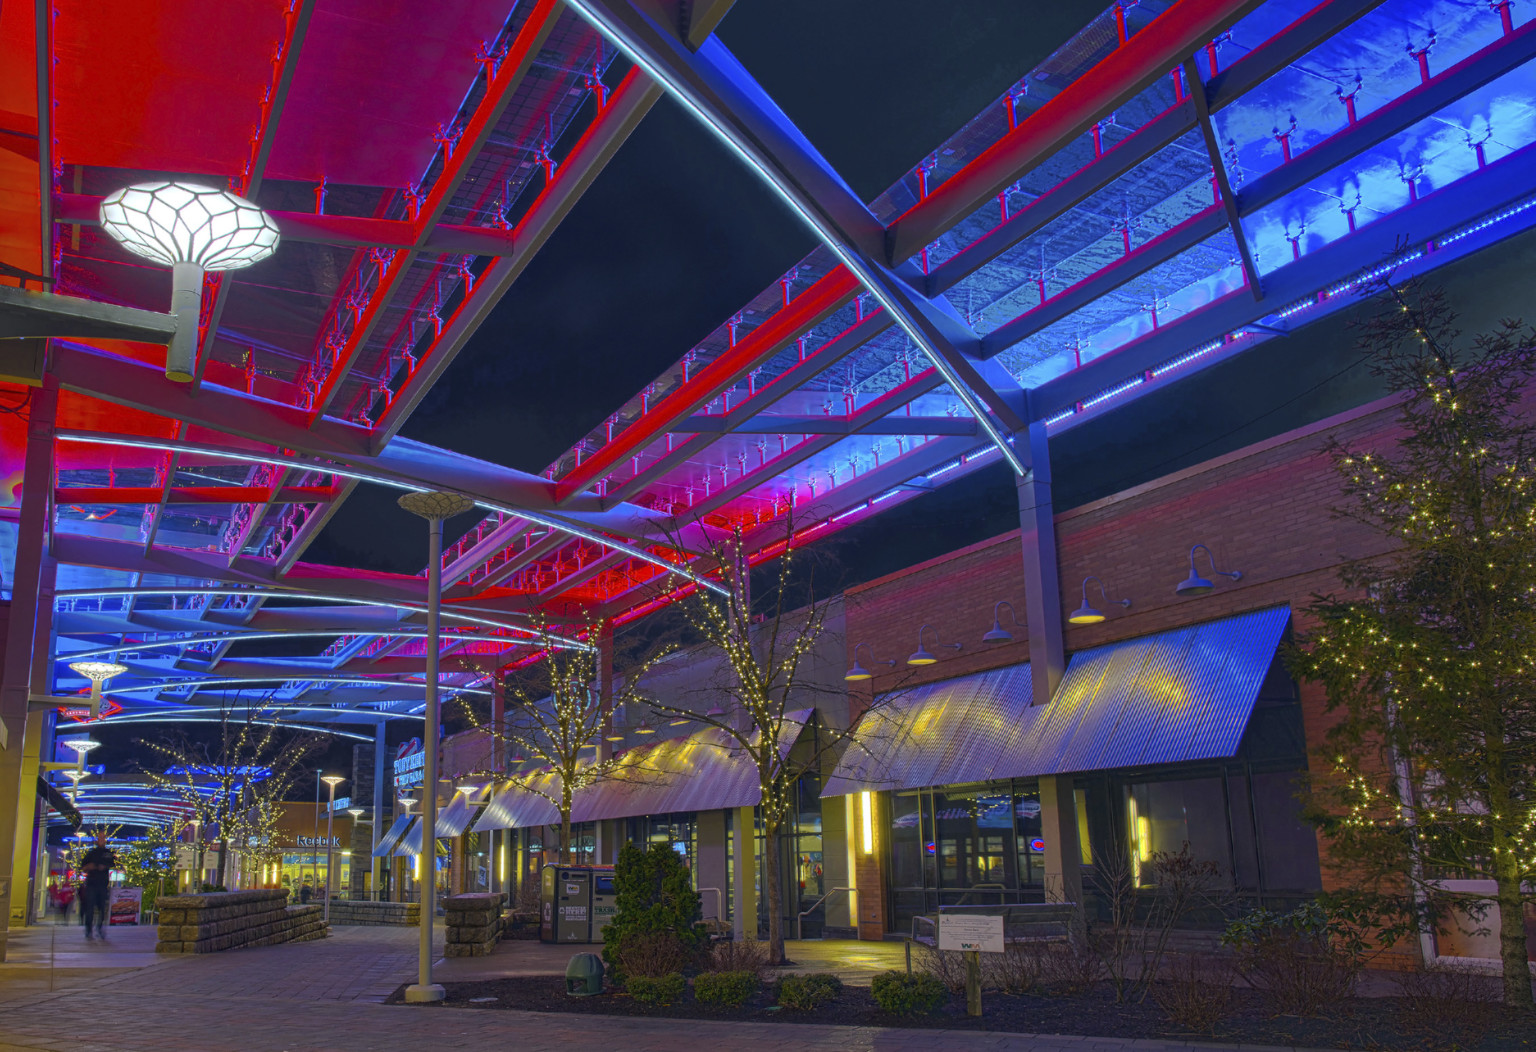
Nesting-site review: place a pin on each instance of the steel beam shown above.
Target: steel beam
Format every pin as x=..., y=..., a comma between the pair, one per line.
x=630, y=101
x=266, y=134
x=722, y=94
x=1201, y=98
x=501, y=85
x=24, y=312
x=1121, y=75
x=27, y=615
x=1499, y=185
x=828, y=425
x=819, y=361
x=779, y=329
x=1507, y=53
x=190, y=495
x=1132, y=265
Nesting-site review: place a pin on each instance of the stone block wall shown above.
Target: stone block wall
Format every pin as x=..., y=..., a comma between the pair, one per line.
x=472, y=924
x=229, y=920
x=364, y=912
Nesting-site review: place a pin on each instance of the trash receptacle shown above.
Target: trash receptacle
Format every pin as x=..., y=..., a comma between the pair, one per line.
x=584, y=975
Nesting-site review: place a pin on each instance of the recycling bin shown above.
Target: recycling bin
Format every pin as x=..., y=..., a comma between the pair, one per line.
x=567, y=906
x=604, y=902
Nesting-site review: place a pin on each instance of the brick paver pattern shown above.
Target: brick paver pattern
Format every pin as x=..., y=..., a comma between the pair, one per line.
x=327, y=995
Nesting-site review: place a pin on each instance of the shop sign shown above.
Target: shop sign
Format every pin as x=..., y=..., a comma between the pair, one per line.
x=971, y=932
x=410, y=761
x=317, y=841
x=341, y=804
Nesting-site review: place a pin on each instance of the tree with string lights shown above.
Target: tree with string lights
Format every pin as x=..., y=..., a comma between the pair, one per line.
x=1428, y=658
x=235, y=785
x=557, y=719
x=764, y=681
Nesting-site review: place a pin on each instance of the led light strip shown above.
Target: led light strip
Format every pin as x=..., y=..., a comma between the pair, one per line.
x=186, y=641
x=856, y=266
x=343, y=471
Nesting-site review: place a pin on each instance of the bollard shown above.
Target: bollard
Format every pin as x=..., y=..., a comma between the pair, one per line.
x=972, y=983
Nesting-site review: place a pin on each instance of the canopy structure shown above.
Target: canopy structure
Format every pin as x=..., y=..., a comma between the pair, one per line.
x=1179, y=183
x=1186, y=694
x=392, y=836
x=703, y=771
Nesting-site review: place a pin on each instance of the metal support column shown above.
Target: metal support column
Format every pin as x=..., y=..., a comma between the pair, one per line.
x=1047, y=661
x=744, y=884
x=21, y=633
x=375, y=866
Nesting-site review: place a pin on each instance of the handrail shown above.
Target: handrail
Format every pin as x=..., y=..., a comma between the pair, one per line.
x=800, y=920
x=719, y=903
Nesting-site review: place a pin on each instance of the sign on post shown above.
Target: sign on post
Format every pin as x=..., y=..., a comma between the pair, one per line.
x=971, y=932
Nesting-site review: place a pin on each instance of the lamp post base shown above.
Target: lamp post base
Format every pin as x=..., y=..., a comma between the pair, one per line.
x=418, y=994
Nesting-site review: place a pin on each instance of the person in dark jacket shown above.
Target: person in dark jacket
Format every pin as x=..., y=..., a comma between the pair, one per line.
x=98, y=864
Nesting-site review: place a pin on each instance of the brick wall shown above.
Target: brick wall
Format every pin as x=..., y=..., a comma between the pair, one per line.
x=1264, y=510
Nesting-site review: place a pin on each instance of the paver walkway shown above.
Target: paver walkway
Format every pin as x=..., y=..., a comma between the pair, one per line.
x=327, y=995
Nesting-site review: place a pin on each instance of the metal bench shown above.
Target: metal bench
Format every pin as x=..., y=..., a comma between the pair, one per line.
x=1022, y=922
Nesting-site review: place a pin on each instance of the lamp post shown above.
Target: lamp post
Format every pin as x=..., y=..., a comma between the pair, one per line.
x=434, y=507
x=98, y=672
x=190, y=229
x=314, y=867
x=332, y=780
x=355, y=812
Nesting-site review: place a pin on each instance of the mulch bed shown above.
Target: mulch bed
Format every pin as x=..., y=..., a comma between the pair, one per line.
x=1376, y=1023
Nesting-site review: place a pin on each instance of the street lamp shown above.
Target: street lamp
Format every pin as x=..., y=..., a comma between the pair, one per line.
x=355, y=812
x=332, y=780
x=434, y=507
x=190, y=229
x=98, y=672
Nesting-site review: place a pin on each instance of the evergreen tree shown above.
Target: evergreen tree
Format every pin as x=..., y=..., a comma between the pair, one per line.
x=1429, y=655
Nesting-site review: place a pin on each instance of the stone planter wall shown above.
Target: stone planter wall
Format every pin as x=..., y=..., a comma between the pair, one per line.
x=228, y=920
x=362, y=911
x=472, y=924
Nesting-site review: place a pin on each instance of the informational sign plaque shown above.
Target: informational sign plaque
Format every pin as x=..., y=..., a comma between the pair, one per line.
x=976, y=933
x=124, y=905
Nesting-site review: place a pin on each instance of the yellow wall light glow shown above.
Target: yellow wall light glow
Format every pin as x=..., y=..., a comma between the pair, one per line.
x=867, y=800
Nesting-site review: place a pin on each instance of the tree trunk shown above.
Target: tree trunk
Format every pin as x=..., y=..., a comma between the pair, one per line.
x=775, y=891
x=1512, y=943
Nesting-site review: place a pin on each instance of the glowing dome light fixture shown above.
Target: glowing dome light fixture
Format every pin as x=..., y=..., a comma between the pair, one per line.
x=98, y=672
x=857, y=673
x=922, y=655
x=191, y=229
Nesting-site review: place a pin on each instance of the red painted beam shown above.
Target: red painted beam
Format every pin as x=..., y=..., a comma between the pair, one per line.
x=1130, y=68
x=498, y=94
x=191, y=495
x=805, y=310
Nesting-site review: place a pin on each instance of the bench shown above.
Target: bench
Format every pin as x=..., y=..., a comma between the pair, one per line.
x=1022, y=922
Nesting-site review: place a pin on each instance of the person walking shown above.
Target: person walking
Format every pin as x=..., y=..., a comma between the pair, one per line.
x=98, y=864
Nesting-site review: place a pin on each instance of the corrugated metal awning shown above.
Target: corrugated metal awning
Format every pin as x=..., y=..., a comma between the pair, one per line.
x=1185, y=694
x=704, y=771
x=392, y=835
x=453, y=819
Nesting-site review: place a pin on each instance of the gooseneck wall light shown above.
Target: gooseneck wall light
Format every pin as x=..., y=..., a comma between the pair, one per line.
x=857, y=673
x=999, y=634
x=98, y=672
x=1194, y=584
x=1086, y=614
x=191, y=229
x=921, y=656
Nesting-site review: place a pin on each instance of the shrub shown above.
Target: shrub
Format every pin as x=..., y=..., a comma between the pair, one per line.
x=651, y=955
x=1444, y=1001
x=1068, y=968
x=1196, y=992
x=946, y=966
x=656, y=914
x=1019, y=969
x=1305, y=960
x=745, y=955
x=665, y=989
x=802, y=993
x=898, y=993
x=725, y=988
